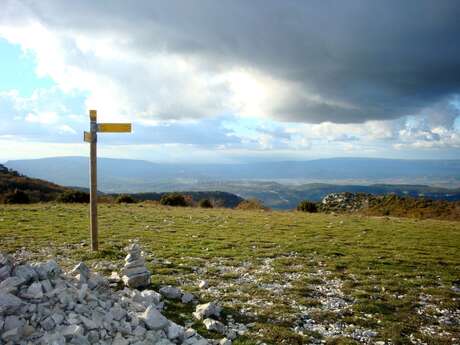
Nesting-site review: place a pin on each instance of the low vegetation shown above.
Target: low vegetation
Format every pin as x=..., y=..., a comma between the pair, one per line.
x=125, y=199
x=173, y=199
x=205, y=203
x=251, y=204
x=307, y=206
x=74, y=196
x=293, y=277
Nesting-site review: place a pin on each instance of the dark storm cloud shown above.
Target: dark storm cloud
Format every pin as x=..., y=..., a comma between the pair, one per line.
x=363, y=59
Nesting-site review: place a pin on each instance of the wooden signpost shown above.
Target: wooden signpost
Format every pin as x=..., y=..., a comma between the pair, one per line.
x=91, y=137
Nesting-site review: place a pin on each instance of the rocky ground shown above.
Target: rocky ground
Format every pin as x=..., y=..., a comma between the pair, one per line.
x=272, y=278
x=41, y=304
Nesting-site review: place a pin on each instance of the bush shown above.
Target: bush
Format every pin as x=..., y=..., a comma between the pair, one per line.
x=205, y=203
x=173, y=199
x=251, y=204
x=17, y=197
x=307, y=206
x=74, y=196
x=126, y=199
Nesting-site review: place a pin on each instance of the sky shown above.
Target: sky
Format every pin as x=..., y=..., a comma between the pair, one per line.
x=233, y=80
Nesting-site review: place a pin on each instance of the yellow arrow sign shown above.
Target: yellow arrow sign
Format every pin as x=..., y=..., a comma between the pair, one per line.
x=114, y=127
x=87, y=136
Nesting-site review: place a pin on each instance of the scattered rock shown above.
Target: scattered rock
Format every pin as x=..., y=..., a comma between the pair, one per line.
x=187, y=298
x=213, y=325
x=171, y=292
x=153, y=319
x=205, y=310
x=203, y=284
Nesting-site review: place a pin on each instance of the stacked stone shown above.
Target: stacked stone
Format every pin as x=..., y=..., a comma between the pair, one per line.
x=134, y=273
x=41, y=305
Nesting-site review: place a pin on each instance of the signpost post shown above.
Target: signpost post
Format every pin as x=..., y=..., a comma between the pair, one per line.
x=91, y=137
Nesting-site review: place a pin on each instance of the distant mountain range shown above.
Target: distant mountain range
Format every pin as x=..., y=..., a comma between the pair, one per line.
x=278, y=184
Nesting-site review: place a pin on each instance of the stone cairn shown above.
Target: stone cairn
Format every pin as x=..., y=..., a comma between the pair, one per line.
x=134, y=273
x=40, y=304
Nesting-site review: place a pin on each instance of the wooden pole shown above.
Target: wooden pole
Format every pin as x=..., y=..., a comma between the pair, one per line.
x=93, y=181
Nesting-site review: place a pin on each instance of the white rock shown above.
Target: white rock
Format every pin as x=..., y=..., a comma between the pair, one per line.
x=175, y=331
x=171, y=292
x=206, y=310
x=203, y=284
x=225, y=341
x=213, y=325
x=150, y=297
x=153, y=319
x=82, y=271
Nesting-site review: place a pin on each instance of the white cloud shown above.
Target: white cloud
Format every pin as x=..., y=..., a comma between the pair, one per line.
x=45, y=118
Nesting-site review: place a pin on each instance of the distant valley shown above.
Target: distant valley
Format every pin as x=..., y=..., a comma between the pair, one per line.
x=278, y=184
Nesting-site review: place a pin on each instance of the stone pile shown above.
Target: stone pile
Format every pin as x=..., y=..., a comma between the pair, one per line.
x=134, y=272
x=39, y=304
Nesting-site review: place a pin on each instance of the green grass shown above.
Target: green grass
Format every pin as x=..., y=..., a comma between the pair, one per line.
x=382, y=264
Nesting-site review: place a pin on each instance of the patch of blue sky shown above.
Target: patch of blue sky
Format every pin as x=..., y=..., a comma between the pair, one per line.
x=246, y=126
x=17, y=70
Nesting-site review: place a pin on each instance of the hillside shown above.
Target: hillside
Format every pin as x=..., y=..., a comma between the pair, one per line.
x=36, y=189
x=126, y=175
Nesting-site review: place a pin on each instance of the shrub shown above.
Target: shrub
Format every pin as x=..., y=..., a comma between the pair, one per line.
x=205, y=203
x=173, y=199
x=126, y=199
x=17, y=197
x=307, y=206
x=251, y=204
x=74, y=196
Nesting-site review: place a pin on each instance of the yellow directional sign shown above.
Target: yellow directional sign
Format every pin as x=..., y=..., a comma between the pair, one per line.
x=114, y=127
x=87, y=136
x=91, y=137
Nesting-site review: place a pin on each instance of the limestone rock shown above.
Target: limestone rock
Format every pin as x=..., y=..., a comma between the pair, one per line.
x=9, y=303
x=175, y=331
x=203, y=284
x=171, y=292
x=187, y=298
x=153, y=319
x=47, y=269
x=25, y=272
x=205, y=310
x=213, y=325
x=83, y=272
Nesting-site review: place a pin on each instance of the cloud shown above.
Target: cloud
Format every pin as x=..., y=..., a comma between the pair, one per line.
x=294, y=61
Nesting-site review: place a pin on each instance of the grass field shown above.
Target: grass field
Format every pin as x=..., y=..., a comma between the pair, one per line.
x=293, y=278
